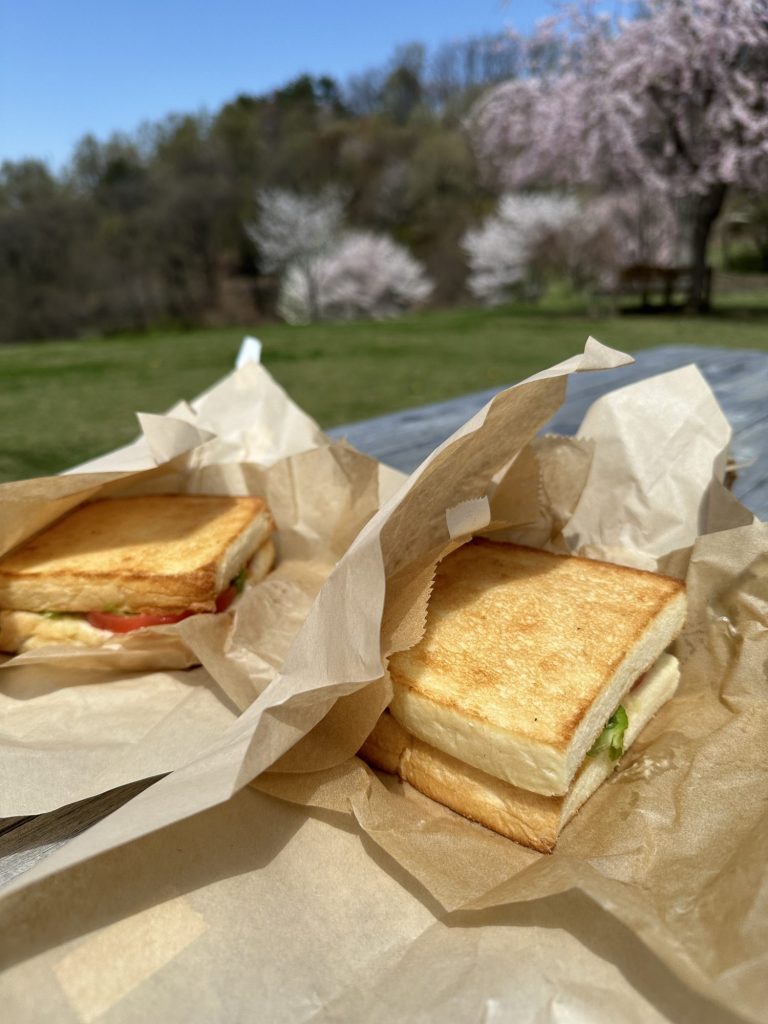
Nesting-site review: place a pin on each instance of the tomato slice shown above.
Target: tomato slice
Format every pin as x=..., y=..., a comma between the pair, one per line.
x=226, y=597
x=116, y=623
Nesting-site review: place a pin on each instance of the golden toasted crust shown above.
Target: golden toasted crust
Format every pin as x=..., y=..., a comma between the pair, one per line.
x=522, y=641
x=152, y=552
x=527, y=818
x=27, y=631
x=387, y=744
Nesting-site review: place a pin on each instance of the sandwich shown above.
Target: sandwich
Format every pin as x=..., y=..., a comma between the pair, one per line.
x=119, y=564
x=536, y=671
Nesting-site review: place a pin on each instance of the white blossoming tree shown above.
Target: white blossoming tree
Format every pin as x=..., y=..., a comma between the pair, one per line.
x=363, y=274
x=293, y=230
x=531, y=238
x=506, y=254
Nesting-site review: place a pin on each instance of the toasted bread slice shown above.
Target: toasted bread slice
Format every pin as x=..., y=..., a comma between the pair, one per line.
x=26, y=631
x=528, y=818
x=525, y=656
x=153, y=552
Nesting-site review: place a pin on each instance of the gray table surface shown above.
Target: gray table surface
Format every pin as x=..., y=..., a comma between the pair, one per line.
x=739, y=379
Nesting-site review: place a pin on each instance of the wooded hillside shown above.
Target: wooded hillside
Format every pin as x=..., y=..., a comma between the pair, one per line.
x=149, y=229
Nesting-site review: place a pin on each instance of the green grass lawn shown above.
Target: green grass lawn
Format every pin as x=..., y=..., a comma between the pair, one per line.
x=65, y=401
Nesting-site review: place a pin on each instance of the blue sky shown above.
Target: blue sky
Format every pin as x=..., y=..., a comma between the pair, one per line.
x=68, y=67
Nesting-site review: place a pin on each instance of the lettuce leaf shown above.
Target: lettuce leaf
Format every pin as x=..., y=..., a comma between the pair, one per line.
x=612, y=736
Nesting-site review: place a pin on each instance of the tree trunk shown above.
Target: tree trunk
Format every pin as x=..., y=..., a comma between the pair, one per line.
x=312, y=298
x=706, y=209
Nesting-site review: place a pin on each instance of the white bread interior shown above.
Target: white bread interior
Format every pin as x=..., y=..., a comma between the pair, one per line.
x=252, y=545
x=641, y=704
x=528, y=818
x=25, y=631
x=526, y=655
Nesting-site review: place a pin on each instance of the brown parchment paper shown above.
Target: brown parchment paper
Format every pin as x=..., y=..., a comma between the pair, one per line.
x=261, y=910
x=75, y=722
x=672, y=847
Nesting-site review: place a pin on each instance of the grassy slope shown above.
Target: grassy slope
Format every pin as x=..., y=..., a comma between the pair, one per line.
x=62, y=402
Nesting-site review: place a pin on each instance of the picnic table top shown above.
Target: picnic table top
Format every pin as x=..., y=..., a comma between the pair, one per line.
x=739, y=379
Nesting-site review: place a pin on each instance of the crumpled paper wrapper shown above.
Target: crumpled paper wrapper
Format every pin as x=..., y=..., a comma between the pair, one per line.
x=672, y=848
x=77, y=721
x=261, y=909
x=247, y=414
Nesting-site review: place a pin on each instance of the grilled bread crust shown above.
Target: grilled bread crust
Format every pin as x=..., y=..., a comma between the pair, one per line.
x=26, y=631
x=525, y=656
x=528, y=818
x=169, y=552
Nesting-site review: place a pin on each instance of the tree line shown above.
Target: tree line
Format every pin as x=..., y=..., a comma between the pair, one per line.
x=150, y=228
x=594, y=146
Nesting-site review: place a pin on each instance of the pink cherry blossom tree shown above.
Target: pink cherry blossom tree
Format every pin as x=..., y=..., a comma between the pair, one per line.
x=674, y=102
